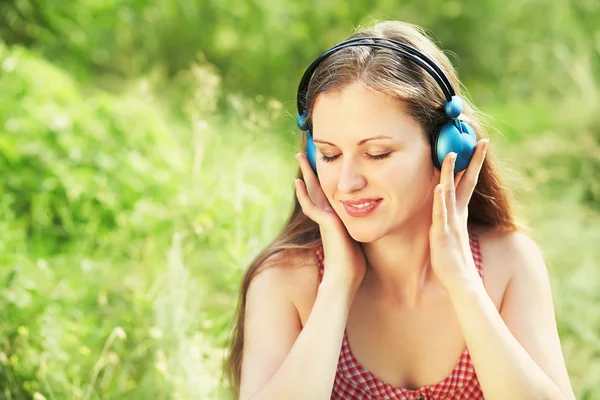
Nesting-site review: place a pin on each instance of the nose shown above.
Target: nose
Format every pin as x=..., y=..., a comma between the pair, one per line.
x=351, y=179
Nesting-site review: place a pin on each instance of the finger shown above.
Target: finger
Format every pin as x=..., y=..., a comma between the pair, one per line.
x=313, y=187
x=308, y=207
x=468, y=182
x=457, y=179
x=448, y=181
x=439, y=216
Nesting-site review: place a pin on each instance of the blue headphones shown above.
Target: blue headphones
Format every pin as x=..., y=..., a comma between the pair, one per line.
x=453, y=136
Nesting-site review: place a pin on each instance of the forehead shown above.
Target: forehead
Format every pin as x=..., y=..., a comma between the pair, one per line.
x=356, y=111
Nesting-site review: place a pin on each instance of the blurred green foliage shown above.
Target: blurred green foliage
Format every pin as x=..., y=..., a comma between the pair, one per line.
x=146, y=156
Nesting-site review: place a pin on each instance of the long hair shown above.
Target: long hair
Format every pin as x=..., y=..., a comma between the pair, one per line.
x=388, y=72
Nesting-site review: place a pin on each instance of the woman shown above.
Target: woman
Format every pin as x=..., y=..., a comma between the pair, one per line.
x=401, y=273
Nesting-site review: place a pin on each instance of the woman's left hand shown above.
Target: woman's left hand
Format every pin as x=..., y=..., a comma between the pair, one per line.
x=451, y=257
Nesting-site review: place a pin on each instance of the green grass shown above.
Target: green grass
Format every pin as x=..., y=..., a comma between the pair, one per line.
x=128, y=217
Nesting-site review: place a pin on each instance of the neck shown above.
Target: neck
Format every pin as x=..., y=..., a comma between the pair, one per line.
x=399, y=271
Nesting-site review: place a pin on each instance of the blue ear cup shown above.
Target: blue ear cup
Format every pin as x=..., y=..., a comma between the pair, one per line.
x=311, y=150
x=301, y=121
x=451, y=138
x=455, y=136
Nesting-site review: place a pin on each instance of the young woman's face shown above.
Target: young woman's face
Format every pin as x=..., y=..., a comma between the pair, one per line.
x=373, y=161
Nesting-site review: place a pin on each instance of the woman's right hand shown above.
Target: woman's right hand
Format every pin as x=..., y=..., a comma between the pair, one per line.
x=344, y=257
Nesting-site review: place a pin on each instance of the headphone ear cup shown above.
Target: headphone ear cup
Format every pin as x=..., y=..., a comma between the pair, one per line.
x=311, y=151
x=450, y=139
x=434, y=143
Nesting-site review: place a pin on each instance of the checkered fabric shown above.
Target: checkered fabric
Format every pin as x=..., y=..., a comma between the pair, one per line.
x=355, y=382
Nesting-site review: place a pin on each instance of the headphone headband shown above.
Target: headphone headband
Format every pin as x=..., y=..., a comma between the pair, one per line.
x=409, y=52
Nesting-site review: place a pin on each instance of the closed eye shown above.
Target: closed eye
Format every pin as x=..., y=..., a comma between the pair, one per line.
x=329, y=159
x=378, y=156
x=369, y=156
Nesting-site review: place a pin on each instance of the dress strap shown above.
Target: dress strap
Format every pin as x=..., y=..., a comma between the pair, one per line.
x=320, y=257
x=475, y=250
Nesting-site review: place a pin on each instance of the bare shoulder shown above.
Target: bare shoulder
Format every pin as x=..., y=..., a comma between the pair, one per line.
x=293, y=272
x=501, y=245
x=527, y=307
x=272, y=318
x=504, y=254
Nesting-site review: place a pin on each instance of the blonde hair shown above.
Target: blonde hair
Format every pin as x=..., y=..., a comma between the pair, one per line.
x=388, y=72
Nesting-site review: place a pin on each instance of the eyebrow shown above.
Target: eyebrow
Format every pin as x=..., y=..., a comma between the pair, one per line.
x=358, y=144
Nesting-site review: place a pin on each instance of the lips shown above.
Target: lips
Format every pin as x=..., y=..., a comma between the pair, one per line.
x=361, y=207
x=360, y=201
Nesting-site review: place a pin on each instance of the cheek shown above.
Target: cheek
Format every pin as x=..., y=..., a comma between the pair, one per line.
x=328, y=182
x=411, y=167
x=412, y=176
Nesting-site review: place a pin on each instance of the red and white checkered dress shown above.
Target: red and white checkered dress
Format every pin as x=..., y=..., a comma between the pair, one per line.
x=355, y=382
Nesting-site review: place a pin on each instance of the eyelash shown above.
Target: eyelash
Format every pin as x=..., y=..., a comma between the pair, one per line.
x=369, y=156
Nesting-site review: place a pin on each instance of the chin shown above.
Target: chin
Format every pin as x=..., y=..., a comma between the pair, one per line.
x=365, y=234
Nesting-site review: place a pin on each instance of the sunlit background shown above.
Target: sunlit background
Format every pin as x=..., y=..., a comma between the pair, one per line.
x=146, y=152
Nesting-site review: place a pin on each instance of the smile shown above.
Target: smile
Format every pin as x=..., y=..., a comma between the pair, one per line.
x=361, y=208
